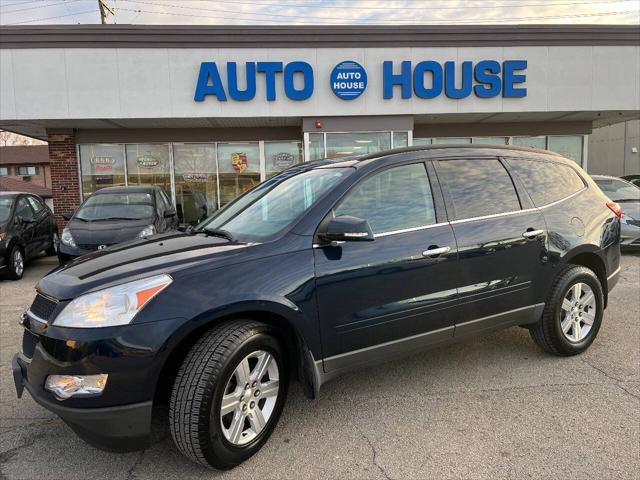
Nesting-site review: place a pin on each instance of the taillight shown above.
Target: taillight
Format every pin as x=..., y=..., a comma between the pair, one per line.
x=615, y=208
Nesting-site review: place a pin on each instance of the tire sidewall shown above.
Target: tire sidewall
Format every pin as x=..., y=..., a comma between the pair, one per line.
x=214, y=444
x=12, y=268
x=579, y=276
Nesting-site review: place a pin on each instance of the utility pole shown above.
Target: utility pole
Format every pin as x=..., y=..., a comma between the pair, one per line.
x=105, y=10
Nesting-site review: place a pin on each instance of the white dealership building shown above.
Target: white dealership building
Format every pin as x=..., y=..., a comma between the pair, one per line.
x=207, y=112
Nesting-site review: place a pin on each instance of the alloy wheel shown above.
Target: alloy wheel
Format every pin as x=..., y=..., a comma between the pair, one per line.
x=18, y=262
x=578, y=312
x=56, y=242
x=249, y=397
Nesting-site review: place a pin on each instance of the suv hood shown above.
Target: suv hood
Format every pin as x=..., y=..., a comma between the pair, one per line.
x=164, y=253
x=106, y=232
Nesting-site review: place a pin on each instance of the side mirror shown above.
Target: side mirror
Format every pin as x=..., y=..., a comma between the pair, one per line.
x=67, y=216
x=347, y=229
x=170, y=212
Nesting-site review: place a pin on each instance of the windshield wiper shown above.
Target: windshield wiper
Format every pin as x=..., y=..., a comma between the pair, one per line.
x=218, y=232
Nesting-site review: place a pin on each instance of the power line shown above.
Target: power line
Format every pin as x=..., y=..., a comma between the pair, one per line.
x=51, y=18
x=34, y=7
x=377, y=22
x=466, y=7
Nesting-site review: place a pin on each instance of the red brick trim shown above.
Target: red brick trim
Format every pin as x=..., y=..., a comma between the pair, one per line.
x=65, y=184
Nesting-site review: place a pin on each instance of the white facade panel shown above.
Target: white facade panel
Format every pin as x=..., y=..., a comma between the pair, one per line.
x=129, y=83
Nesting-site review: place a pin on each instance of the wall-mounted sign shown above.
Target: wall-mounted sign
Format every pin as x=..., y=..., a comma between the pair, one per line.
x=239, y=161
x=283, y=160
x=102, y=164
x=148, y=161
x=195, y=177
x=348, y=80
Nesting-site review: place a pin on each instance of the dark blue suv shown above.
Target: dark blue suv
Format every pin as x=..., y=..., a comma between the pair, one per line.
x=326, y=267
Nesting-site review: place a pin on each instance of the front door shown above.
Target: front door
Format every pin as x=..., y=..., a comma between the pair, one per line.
x=390, y=295
x=502, y=248
x=26, y=225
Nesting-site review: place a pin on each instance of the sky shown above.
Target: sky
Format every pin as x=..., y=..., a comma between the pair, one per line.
x=322, y=12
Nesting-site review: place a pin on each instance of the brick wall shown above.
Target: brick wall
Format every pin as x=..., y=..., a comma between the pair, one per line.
x=65, y=184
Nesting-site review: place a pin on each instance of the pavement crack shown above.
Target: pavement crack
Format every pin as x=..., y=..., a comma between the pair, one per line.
x=136, y=464
x=375, y=456
x=617, y=381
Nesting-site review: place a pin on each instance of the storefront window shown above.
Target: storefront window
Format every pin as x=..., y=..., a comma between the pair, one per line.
x=400, y=139
x=422, y=141
x=569, y=146
x=101, y=166
x=148, y=164
x=345, y=144
x=281, y=155
x=452, y=140
x=239, y=169
x=533, y=142
x=316, y=146
x=490, y=140
x=196, y=181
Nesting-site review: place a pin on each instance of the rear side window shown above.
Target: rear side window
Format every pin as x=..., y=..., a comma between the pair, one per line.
x=547, y=182
x=477, y=188
x=35, y=204
x=394, y=199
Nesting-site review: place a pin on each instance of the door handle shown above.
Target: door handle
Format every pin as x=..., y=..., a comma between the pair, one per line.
x=532, y=233
x=434, y=252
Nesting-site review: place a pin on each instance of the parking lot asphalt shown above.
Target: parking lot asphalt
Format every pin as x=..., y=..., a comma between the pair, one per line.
x=490, y=407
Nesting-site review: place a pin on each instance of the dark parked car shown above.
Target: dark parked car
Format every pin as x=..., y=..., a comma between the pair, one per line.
x=114, y=215
x=326, y=267
x=635, y=179
x=628, y=196
x=27, y=228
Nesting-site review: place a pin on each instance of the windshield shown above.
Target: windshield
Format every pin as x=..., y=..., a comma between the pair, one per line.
x=618, y=190
x=5, y=208
x=275, y=204
x=116, y=206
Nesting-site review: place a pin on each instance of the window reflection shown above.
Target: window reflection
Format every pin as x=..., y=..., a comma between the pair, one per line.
x=345, y=144
x=281, y=155
x=101, y=166
x=239, y=169
x=148, y=164
x=196, y=181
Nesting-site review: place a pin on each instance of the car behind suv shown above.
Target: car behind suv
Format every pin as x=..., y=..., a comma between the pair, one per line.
x=114, y=215
x=326, y=267
x=27, y=228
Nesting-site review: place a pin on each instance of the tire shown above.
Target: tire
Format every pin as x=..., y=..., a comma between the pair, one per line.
x=16, y=263
x=209, y=372
x=55, y=243
x=562, y=314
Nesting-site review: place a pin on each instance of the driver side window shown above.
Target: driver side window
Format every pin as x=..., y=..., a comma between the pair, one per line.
x=395, y=199
x=23, y=209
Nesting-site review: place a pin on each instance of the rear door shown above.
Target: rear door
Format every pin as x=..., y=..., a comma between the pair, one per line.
x=390, y=295
x=42, y=233
x=24, y=219
x=502, y=247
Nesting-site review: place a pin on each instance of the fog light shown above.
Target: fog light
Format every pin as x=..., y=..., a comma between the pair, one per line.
x=65, y=386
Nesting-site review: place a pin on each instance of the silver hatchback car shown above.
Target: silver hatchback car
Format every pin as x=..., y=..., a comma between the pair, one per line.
x=628, y=196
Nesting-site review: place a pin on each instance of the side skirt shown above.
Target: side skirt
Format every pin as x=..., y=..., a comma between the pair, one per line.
x=335, y=366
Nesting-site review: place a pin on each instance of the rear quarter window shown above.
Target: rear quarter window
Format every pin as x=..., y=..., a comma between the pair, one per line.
x=547, y=182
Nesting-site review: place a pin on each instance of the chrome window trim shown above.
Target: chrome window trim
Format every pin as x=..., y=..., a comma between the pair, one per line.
x=565, y=198
x=514, y=212
x=406, y=230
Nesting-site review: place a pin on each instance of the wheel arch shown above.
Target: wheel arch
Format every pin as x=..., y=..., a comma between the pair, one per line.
x=299, y=356
x=590, y=259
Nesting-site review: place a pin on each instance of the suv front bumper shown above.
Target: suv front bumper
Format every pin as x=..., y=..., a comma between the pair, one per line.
x=120, y=429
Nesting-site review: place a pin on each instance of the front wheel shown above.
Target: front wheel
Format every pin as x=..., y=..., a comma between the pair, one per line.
x=573, y=313
x=52, y=249
x=16, y=263
x=228, y=394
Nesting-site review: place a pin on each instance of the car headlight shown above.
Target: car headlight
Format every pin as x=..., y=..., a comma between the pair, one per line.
x=67, y=238
x=147, y=231
x=112, y=306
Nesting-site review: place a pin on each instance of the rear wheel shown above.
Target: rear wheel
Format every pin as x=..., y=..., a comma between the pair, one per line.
x=228, y=394
x=573, y=313
x=16, y=263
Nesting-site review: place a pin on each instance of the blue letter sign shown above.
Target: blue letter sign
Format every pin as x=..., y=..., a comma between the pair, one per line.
x=348, y=80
